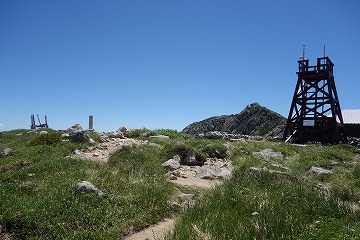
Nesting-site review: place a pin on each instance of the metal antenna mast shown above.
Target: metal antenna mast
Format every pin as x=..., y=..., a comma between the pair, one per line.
x=303, y=53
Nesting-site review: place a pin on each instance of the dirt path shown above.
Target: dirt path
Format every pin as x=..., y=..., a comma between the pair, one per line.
x=194, y=183
x=103, y=151
x=156, y=231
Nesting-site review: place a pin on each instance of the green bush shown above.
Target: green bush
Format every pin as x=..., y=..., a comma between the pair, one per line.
x=173, y=134
x=215, y=150
x=46, y=139
x=135, y=133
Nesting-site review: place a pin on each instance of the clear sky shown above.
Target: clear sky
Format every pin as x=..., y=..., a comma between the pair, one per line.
x=166, y=63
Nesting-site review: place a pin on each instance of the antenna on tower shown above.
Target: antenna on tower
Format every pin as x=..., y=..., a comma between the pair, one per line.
x=324, y=51
x=303, y=53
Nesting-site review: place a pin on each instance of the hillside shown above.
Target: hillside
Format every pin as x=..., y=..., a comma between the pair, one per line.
x=253, y=120
x=273, y=190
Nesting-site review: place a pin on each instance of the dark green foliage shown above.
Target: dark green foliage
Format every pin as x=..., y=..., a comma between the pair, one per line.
x=135, y=133
x=263, y=131
x=215, y=149
x=94, y=135
x=144, y=132
x=173, y=134
x=51, y=138
x=183, y=150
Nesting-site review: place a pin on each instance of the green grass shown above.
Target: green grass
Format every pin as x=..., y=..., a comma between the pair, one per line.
x=267, y=206
x=38, y=198
x=280, y=206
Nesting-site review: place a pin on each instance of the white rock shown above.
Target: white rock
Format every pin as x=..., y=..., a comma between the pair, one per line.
x=319, y=170
x=171, y=164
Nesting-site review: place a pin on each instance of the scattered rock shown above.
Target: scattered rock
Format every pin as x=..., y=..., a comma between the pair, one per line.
x=281, y=166
x=160, y=137
x=186, y=197
x=213, y=135
x=43, y=133
x=124, y=129
x=77, y=152
x=116, y=134
x=103, y=146
x=6, y=152
x=85, y=186
x=254, y=213
x=170, y=176
x=267, y=154
x=354, y=141
x=75, y=128
x=80, y=137
x=190, y=160
x=322, y=188
x=319, y=170
x=172, y=164
x=264, y=169
x=145, y=134
x=213, y=171
x=65, y=135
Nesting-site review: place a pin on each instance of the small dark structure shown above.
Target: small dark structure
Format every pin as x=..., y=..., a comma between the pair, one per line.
x=91, y=122
x=315, y=114
x=40, y=125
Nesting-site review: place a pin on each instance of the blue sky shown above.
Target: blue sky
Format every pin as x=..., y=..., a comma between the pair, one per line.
x=164, y=63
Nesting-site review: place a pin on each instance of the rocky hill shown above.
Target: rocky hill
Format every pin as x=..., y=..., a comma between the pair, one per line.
x=253, y=120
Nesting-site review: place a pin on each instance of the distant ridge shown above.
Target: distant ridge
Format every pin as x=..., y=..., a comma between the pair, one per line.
x=253, y=120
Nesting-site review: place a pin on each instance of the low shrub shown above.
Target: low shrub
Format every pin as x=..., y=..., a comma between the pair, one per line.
x=173, y=134
x=136, y=133
x=215, y=150
x=47, y=139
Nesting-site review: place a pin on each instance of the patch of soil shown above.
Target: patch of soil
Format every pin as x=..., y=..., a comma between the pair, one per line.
x=195, y=183
x=156, y=231
x=103, y=151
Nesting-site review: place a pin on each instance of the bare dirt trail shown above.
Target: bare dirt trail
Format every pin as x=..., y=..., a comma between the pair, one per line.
x=158, y=231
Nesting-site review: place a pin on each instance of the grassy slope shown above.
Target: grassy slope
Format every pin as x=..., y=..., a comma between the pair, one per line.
x=38, y=198
x=280, y=206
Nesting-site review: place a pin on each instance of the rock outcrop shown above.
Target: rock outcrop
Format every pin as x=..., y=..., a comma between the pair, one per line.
x=253, y=120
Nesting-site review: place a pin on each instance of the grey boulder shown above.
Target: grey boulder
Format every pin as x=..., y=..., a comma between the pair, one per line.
x=85, y=186
x=319, y=171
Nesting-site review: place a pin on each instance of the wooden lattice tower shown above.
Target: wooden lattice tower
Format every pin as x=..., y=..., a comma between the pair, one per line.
x=315, y=114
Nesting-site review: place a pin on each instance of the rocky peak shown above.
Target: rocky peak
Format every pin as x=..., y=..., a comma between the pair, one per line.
x=253, y=120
